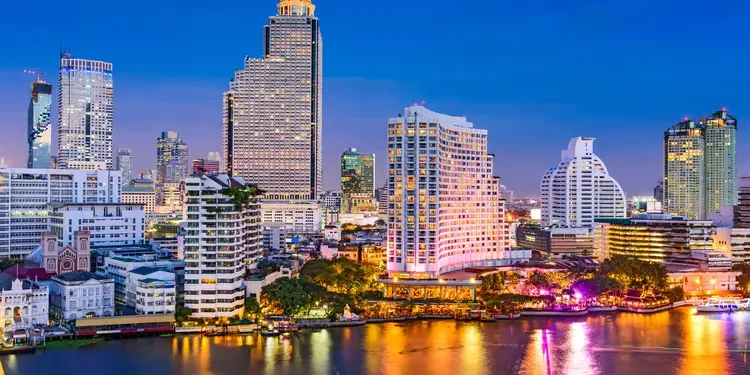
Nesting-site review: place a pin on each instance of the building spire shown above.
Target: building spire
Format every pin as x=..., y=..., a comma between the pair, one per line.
x=296, y=8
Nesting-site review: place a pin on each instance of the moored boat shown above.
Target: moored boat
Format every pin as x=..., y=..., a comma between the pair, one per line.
x=719, y=305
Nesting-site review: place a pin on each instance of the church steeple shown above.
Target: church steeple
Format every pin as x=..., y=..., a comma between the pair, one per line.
x=296, y=8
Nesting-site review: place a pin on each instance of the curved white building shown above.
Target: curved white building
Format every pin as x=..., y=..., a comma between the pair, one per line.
x=444, y=206
x=579, y=189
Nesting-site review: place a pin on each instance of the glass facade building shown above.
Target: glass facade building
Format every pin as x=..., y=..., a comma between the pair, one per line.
x=721, y=160
x=40, y=131
x=357, y=177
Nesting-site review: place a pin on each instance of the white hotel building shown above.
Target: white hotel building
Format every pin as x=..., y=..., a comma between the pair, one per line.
x=579, y=189
x=444, y=207
x=109, y=223
x=25, y=196
x=221, y=242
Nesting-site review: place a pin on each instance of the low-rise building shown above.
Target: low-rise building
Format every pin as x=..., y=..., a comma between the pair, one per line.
x=254, y=283
x=81, y=294
x=702, y=283
x=332, y=233
x=107, y=223
x=300, y=217
x=155, y=291
x=554, y=241
x=23, y=303
x=126, y=271
x=652, y=237
x=274, y=236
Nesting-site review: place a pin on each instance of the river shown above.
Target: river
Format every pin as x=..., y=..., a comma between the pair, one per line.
x=671, y=342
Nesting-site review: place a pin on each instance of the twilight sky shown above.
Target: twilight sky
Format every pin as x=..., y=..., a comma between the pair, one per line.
x=535, y=73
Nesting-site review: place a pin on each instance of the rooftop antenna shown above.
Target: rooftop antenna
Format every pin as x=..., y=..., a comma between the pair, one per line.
x=38, y=74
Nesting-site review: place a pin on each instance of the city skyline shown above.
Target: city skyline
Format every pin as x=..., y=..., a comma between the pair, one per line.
x=360, y=96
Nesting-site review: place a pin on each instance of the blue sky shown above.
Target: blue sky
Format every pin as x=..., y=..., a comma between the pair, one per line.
x=534, y=73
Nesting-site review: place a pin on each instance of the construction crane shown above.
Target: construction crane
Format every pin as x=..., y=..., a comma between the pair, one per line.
x=37, y=72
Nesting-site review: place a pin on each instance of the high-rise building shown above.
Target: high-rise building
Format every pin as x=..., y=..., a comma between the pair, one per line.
x=721, y=160
x=142, y=192
x=357, y=177
x=204, y=166
x=171, y=158
x=659, y=191
x=444, y=206
x=272, y=125
x=124, y=164
x=39, y=130
x=579, y=189
x=26, y=195
x=171, y=165
x=684, y=160
x=216, y=260
x=85, y=119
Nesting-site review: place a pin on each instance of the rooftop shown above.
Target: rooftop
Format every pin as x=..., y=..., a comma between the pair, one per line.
x=145, y=270
x=79, y=276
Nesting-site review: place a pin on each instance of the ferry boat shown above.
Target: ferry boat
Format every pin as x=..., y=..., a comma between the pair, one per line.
x=720, y=305
x=270, y=331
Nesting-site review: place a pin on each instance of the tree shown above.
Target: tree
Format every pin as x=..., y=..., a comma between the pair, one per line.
x=675, y=294
x=290, y=296
x=252, y=307
x=743, y=280
x=380, y=223
x=539, y=280
x=7, y=263
x=182, y=314
x=634, y=273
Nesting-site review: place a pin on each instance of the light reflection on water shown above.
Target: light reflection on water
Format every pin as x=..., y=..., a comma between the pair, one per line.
x=675, y=342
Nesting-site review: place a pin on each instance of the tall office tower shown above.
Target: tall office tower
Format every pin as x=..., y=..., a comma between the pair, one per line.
x=216, y=157
x=171, y=158
x=444, y=207
x=40, y=131
x=26, y=196
x=721, y=160
x=216, y=260
x=124, y=164
x=579, y=189
x=659, y=191
x=85, y=119
x=357, y=176
x=684, y=160
x=171, y=165
x=272, y=125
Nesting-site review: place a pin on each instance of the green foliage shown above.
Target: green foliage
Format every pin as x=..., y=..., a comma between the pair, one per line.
x=241, y=196
x=182, y=314
x=634, y=273
x=596, y=285
x=252, y=306
x=267, y=266
x=341, y=275
x=540, y=280
x=291, y=296
x=6, y=263
x=675, y=294
x=743, y=280
x=380, y=222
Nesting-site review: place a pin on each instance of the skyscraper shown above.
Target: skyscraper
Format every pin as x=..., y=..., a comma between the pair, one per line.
x=684, y=159
x=124, y=164
x=40, y=131
x=171, y=167
x=272, y=125
x=721, y=160
x=204, y=166
x=444, y=205
x=85, y=121
x=171, y=158
x=579, y=189
x=357, y=176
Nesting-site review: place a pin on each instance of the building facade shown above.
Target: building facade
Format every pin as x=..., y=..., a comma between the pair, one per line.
x=272, y=124
x=155, y=296
x=721, y=160
x=357, y=177
x=204, y=166
x=108, y=223
x=331, y=200
x=444, y=205
x=222, y=241
x=124, y=164
x=85, y=121
x=555, y=241
x=142, y=192
x=40, y=129
x=171, y=166
x=274, y=236
x=299, y=217
x=25, y=195
x=652, y=237
x=684, y=161
x=80, y=294
x=23, y=300
x=579, y=189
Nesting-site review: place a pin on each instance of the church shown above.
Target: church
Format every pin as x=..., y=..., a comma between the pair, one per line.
x=62, y=259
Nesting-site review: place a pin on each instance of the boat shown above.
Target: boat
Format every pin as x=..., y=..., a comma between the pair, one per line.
x=719, y=305
x=487, y=317
x=512, y=315
x=269, y=332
